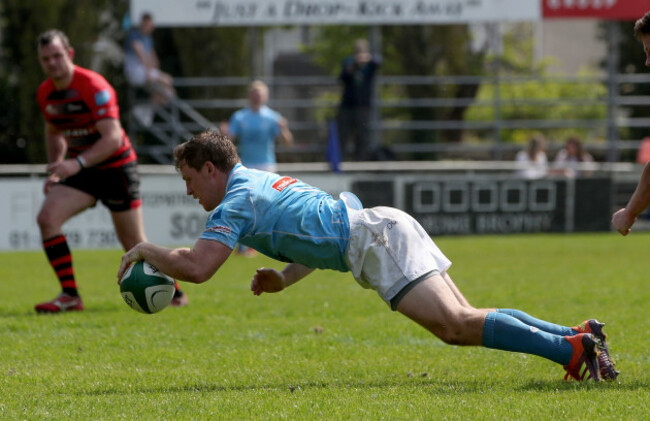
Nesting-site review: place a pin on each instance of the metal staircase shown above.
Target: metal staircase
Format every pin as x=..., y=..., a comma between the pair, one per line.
x=156, y=129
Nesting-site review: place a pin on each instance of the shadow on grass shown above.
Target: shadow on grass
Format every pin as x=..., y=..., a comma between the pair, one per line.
x=555, y=386
x=31, y=313
x=439, y=386
x=436, y=387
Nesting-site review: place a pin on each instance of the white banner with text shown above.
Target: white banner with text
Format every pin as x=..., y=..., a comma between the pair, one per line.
x=171, y=217
x=182, y=13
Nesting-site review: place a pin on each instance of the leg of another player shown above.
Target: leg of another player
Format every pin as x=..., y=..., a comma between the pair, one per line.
x=129, y=227
x=61, y=203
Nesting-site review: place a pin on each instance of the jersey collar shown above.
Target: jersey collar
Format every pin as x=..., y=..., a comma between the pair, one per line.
x=236, y=168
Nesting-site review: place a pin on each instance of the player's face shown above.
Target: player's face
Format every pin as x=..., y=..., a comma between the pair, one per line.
x=645, y=39
x=56, y=60
x=258, y=97
x=201, y=185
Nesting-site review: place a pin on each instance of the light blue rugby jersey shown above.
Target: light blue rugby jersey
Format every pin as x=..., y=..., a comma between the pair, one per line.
x=255, y=133
x=281, y=217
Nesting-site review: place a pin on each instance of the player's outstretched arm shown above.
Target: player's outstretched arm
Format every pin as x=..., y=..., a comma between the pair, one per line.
x=623, y=219
x=271, y=280
x=195, y=265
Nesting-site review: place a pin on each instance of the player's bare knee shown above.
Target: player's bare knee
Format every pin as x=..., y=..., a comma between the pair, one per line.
x=45, y=220
x=451, y=334
x=457, y=329
x=131, y=241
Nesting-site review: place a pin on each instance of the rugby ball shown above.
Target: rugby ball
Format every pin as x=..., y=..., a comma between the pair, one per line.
x=146, y=289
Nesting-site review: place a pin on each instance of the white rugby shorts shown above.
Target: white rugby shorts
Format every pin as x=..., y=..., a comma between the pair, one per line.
x=388, y=249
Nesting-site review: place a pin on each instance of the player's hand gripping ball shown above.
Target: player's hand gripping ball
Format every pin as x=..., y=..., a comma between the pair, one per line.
x=146, y=289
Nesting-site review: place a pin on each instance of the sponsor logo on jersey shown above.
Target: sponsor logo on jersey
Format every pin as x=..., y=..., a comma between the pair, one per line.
x=78, y=132
x=102, y=97
x=283, y=183
x=219, y=229
x=51, y=109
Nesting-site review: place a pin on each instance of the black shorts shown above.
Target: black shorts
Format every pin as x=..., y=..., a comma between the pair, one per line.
x=117, y=188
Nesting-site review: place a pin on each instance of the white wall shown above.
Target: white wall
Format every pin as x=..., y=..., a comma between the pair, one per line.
x=573, y=43
x=171, y=218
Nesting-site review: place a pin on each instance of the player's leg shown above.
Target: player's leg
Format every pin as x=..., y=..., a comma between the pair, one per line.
x=454, y=289
x=129, y=227
x=61, y=203
x=405, y=253
x=434, y=305
x=592, y=326
x=539, y=324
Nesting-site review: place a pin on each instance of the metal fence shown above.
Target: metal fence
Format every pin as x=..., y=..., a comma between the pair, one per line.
x=309, y=101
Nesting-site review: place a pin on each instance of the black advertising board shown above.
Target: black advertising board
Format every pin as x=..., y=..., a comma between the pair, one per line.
x=489, y=205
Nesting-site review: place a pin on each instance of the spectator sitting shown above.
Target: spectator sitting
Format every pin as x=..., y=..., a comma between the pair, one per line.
x=142, y=68
x=532, y=162
x=568, y=160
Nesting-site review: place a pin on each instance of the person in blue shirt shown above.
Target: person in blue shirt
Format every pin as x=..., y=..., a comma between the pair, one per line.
x=256, y=128
x=384, y=248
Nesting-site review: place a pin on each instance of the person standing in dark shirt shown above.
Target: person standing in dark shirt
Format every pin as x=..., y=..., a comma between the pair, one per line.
x=357, y=74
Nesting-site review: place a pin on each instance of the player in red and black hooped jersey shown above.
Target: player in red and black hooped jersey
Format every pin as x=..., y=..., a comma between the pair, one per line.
x=90, y=158
x=74, y=110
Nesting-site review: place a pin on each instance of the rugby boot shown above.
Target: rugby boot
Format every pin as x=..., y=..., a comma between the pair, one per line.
x=594, y=327
x=605, y=364
x=606, y=361
x=62, y=302
x=179, y=300
x=584, y=361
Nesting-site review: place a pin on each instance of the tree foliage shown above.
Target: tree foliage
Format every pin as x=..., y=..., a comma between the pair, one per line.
x=20, y=73
x=183, y=52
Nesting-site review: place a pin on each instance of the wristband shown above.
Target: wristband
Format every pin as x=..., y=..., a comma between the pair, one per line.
x=82, y=162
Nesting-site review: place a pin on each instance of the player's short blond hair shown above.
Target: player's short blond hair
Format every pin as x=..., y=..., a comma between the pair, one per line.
x=258, y=84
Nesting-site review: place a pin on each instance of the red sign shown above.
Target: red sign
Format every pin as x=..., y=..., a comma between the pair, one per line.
x=283, y=183
x=602, y=9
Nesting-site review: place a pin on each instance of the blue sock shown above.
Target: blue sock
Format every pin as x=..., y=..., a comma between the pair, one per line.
x=506, y=333
x=539, y=324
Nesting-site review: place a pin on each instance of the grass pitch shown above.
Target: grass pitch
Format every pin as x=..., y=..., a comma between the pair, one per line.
x=324, y=348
